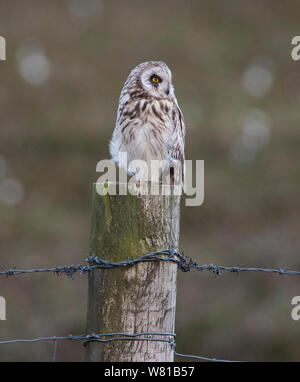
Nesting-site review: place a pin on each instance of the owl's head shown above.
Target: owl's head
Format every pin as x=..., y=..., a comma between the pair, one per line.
x=155, y=78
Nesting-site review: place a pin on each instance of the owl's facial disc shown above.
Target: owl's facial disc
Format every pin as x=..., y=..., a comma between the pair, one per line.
x=157, y=82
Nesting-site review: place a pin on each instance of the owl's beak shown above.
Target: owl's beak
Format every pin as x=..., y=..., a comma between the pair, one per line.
x=168, y=91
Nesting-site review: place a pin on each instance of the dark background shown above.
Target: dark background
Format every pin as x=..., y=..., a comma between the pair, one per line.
x=239, y=91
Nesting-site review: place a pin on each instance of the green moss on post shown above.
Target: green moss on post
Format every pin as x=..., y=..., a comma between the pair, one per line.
x=141, y=298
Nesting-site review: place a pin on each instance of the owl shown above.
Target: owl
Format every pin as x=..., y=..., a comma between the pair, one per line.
x=150, y=125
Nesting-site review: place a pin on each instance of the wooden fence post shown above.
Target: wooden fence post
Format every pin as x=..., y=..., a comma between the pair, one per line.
x=138, y=298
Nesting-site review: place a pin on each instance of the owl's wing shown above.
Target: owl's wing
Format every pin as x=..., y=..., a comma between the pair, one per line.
x=177, y=148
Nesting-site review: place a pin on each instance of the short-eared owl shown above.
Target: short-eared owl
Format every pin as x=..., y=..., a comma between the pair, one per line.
x=149, y=124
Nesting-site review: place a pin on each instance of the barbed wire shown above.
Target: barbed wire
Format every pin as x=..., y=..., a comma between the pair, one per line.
x=96, y=337
x=184, y=263
x=86, y=338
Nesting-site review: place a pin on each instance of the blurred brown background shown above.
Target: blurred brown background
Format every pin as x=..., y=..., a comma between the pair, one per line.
x=239, y=91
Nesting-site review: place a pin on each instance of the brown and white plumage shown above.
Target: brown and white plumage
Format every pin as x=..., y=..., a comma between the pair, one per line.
x=150, y=125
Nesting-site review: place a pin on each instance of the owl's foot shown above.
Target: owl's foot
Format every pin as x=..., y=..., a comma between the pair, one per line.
x=140, y=183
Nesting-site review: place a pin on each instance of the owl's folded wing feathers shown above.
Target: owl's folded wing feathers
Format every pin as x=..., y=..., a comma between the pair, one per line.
x=177, y=148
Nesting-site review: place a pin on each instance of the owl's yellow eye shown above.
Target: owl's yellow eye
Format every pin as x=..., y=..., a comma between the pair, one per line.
x=156, y=79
